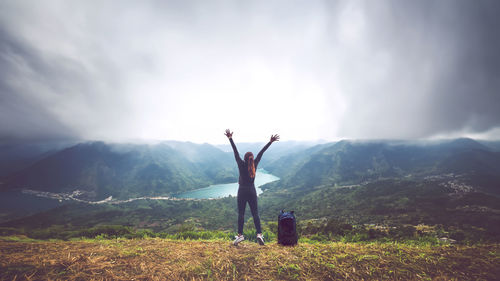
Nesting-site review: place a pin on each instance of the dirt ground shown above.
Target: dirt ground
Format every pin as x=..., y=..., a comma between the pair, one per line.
x=160, y=259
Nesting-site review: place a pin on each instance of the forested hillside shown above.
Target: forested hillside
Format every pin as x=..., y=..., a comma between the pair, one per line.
x=126, y=170
x=355, y=162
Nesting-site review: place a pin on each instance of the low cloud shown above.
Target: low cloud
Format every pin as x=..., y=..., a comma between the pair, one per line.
x=125, y=70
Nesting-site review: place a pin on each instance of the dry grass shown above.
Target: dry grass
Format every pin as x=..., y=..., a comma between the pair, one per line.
x=158, y=259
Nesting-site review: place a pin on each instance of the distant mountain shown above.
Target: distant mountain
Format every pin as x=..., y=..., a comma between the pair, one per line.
x=123, y=170
x=353, y=162
x=493, y=145
x=276, y=151
x=17, y=156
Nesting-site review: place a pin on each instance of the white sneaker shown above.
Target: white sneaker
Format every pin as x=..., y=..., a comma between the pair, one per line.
x=260, y=239
x=238, y=239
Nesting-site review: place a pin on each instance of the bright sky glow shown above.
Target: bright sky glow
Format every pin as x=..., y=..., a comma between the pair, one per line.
x=187, y=70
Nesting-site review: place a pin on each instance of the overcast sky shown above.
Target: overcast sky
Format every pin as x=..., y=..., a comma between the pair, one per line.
x=187, y=70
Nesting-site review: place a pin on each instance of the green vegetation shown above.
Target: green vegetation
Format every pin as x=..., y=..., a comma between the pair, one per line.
x=394, y=203
x=337, y=213
x=310, y=231
x=127, y=170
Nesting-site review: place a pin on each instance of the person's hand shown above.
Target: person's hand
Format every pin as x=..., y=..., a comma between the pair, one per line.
x=228, y=134
x=275, y=138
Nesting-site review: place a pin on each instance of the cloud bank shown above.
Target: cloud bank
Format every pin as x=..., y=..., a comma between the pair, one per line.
x=186, y=70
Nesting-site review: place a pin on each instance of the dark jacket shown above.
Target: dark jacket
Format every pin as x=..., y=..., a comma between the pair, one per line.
x=245, y=179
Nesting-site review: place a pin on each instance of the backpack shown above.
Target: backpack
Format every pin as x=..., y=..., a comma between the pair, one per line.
x=287, y=228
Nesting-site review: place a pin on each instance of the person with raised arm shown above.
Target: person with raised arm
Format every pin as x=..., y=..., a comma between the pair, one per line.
x=246, y=189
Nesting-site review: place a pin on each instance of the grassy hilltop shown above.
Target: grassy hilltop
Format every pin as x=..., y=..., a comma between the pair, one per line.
x=164, y=259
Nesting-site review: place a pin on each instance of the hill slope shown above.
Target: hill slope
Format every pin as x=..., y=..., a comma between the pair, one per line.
x=126, y=170
x=354, y=162
x=17, y=156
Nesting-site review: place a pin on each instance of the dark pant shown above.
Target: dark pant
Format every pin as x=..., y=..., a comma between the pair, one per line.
x=248, y=194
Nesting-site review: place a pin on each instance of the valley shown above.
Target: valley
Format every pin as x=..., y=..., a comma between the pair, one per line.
x=451, y=184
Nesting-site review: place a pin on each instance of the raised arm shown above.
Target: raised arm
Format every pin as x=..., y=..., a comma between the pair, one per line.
x=273, y=139
x=229, y=135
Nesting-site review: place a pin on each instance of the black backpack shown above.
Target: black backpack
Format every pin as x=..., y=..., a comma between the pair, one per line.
x=287, y=228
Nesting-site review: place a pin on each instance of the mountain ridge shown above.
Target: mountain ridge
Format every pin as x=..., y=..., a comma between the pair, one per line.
x=101, y=169
x=354, y=162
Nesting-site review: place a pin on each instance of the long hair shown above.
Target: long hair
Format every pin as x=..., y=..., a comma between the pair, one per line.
x=250, y=164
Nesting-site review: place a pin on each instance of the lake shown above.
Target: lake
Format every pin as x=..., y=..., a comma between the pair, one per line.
x=223, y=190
x=14, y=204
